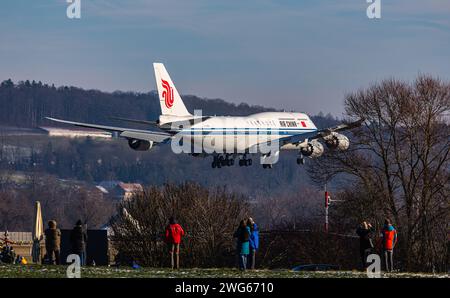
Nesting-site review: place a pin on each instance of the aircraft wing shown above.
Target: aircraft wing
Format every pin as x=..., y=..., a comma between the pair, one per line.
x=129, y=133
x=146, y=122
x=296, y=139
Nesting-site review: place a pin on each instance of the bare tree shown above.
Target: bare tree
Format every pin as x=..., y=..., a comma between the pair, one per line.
x=300, y=209
x=399, y=164
x=209, y=218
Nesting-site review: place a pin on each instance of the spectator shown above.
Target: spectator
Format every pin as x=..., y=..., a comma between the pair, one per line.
x=6, y=240
x=389, y=236
x=254, y=243
x=8, y=255
x=52, y=242
x=364, y=232
x=174, y=232
x=78, y=240
x=20, y=260
x=243, y=235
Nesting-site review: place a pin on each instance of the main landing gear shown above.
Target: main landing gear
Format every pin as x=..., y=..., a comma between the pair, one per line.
x=227, y=160
x=222, y=161
x=300, y=160
x=245, y=162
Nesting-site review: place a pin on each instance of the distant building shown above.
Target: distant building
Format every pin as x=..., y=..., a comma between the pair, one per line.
x=13, y=154
x=119, y=190
x=108, y=185
x=125, y=191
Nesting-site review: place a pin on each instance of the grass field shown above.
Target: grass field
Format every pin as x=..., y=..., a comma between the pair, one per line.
x=37, y=271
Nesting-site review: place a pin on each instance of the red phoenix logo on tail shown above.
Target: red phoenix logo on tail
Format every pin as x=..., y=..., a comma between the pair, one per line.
x=167, y=94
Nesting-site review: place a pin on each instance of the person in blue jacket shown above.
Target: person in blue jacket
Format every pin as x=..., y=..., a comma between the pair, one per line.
x=253, y=241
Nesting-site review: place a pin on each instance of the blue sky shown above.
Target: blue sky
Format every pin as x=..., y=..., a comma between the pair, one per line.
x=289, y=54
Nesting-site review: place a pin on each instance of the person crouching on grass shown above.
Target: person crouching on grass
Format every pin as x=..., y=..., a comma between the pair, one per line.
x=243, y=247
x=174, y=232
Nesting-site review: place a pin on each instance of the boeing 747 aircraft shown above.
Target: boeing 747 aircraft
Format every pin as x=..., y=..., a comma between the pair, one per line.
x=227, y=138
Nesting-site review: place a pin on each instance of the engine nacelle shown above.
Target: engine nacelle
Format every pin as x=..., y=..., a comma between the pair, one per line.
x=337, y=141
x=140, y=145
x=313, y=149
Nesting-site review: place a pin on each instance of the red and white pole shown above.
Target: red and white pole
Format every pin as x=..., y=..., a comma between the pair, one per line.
x=327, y=203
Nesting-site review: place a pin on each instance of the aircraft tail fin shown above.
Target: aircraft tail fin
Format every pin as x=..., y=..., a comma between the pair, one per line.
x=169, y=98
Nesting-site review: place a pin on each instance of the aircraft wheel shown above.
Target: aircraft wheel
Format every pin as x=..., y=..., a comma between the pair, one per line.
x=249, y=162
x=241, y=162
x=213, y=164
x=300, y=161
x=232, y=162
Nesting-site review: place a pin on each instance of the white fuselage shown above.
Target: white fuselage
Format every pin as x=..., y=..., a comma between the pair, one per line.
x=239, y=134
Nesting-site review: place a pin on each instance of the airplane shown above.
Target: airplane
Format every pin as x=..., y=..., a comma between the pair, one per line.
x=226, y=138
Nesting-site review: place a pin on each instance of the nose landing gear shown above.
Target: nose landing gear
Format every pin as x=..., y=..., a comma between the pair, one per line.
x=222, y=161
x=300, y=160
x=267, y=166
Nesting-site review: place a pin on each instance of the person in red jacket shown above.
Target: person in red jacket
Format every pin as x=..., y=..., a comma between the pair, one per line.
x=389, y=236
x=174, y=232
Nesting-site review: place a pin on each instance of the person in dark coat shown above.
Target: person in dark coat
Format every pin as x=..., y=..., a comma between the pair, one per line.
x=53, y=242
x=243, y=247
x=254, y=243
x=364, y=232
x=78, y=240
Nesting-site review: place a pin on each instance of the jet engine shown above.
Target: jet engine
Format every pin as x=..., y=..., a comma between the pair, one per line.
x=140, y=145
x=312, y=149
x=337, y=141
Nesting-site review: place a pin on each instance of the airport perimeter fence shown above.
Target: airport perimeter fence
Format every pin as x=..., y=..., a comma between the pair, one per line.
x=278, y=249
x=290, y=248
